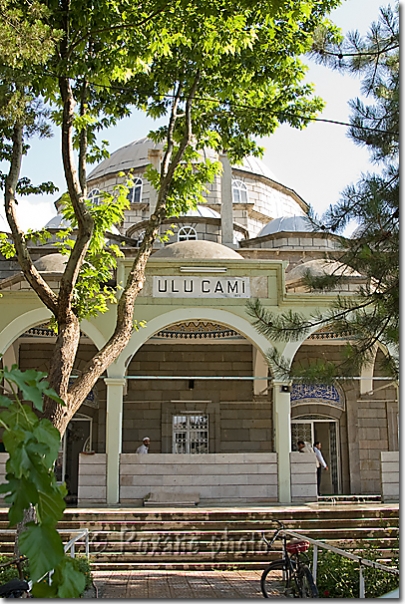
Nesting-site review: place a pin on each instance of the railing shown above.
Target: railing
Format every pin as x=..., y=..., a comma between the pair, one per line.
x=70, y=545
x=362, y=561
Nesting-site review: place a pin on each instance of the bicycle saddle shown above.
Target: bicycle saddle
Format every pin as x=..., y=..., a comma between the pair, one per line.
x=13, y=586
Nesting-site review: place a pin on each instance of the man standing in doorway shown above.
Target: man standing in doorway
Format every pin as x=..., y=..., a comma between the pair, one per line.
x=320, y=463
x=144, y=448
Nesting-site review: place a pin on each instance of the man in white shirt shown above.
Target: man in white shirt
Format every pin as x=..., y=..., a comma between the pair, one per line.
x=144, y=448
x=320, y=463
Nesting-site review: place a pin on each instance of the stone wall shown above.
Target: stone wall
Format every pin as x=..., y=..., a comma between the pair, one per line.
x=303, y=477
x=237, y=420
x=92, y=479
x=37, y=356
x=390, y=475
x=217, y=478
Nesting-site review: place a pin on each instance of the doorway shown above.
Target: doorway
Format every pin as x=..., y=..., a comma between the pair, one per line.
x=326, y=431
x=77, y=439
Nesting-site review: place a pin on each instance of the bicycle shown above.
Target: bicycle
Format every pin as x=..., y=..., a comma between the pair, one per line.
x=290, y=575
x=18, y=587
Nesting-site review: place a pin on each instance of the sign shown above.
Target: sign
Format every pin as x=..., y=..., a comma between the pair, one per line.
x=201, y=287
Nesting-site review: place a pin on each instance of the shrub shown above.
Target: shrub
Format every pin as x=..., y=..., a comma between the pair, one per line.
x=338, y=577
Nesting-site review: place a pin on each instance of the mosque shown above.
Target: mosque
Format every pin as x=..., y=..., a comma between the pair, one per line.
x=194, y=379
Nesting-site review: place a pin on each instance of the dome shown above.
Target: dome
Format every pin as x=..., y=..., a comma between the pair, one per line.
x=197, y=250
x=51, y=263
x=319, y=267
x=135, y=155
x=255, y=166
x=289, y=224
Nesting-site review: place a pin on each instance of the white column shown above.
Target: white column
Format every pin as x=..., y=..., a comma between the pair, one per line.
x=115, y=398
x=282, y=437
x=226, y=202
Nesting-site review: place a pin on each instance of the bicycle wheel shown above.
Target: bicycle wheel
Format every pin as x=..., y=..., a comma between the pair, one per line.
x=306, y=584
x=274, y=580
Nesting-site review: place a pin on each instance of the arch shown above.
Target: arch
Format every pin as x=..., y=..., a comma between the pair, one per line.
x=34, y=317
x=291, y=348
x=187, y=233
x=239, y=191
x=135, y=192
x=139, y=338
x=94, y=196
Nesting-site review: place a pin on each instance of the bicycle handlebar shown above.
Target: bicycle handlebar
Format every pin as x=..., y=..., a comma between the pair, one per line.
x=275, y=535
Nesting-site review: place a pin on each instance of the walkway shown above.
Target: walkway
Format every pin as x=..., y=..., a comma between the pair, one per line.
x=181, y=584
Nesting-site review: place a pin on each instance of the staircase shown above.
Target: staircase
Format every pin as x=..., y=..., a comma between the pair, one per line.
x=217, y=538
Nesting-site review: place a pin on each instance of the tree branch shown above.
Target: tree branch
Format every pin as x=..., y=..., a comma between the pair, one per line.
x=42, y=289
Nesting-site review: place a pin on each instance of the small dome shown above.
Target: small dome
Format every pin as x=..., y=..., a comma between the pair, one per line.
x=319, y=267
x=289, y=224
x=204, y=212
x=51, y=263
x=197, y=250
x=58, y=222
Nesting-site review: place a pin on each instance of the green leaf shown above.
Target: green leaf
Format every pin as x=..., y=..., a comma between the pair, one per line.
x=71, y=582
x=43, y=590
x=43, y=546
x=22, y=494
x=46, y=433
x=51, y=505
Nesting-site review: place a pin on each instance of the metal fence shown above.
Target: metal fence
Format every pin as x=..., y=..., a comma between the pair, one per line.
x=362, y=561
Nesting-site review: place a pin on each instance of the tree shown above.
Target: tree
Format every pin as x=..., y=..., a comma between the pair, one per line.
x=33, y=445
x=370, y=318
x=220, y=72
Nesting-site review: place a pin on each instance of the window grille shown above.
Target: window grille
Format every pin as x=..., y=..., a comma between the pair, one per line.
x=94, y=197
x=190, y=433
x=239, y=192
x=187, y=233
x=135, y=192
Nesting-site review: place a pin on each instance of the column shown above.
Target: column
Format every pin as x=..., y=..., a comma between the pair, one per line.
x=155, y=157
x=115, y=398
x=282, y=437
x=260, y=369
x=226, y=202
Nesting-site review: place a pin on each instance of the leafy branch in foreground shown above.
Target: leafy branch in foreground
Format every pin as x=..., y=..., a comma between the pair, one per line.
x=369, y=315
x=33, y=445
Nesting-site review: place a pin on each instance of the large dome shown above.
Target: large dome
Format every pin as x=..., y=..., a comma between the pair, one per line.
x=135, y=155
x=197, y=250
x=288, y=224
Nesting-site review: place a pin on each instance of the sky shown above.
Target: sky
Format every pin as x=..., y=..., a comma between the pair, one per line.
x=317, y=162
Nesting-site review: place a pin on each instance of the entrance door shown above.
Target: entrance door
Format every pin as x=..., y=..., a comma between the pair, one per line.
x=77, y=438
x=326, y=431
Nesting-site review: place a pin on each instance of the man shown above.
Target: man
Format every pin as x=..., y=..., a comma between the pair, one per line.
x=144, y=448
x=320, y=463
x=304, y=447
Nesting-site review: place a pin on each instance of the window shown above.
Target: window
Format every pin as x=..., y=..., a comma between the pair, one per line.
x=94, y=197
x=187, y=233
x=190, y=433
x=239, y=192
x=135, y=192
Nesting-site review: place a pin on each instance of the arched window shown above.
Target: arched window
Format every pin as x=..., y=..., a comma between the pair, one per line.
x=187, y=233
x=135, y=192
x=239, y=192
x=94, y=197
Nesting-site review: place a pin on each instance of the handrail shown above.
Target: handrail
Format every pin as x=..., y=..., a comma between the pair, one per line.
x=362, y=561
x=71, y=544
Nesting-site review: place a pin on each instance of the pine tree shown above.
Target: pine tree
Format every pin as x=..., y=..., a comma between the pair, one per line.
x=371, y=318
